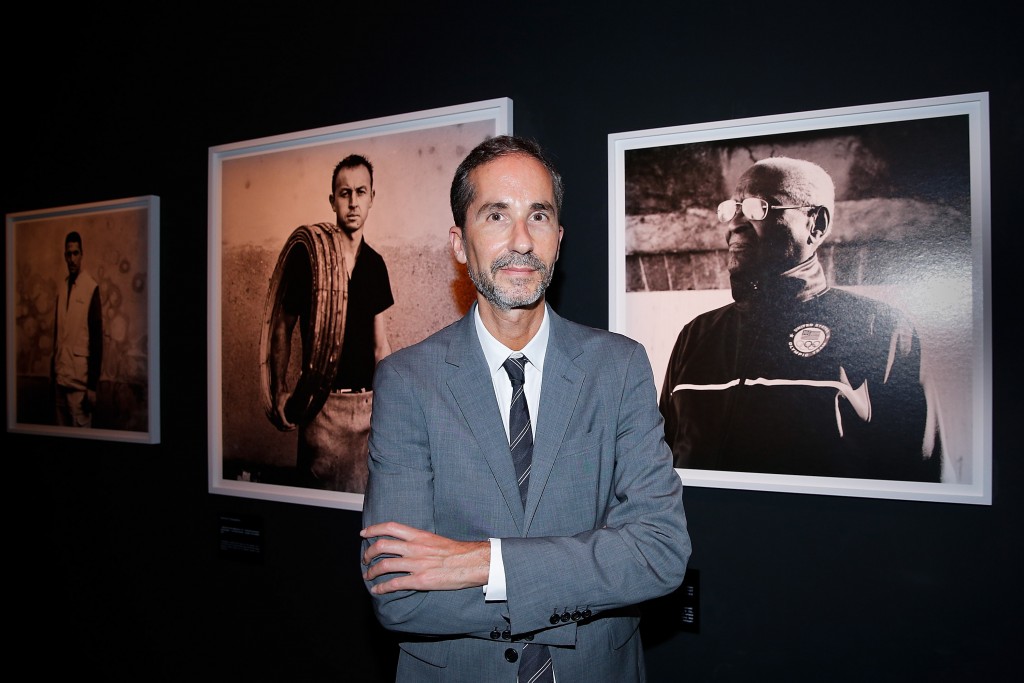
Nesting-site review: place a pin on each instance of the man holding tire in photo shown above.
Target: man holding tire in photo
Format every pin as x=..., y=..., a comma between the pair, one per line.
x=332, y=448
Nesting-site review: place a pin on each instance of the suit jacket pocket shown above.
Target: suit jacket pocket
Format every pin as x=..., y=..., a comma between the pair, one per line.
x=585, y=455
x=434, y=652
x=611, y=631
x=622, y=630
x=576, y=492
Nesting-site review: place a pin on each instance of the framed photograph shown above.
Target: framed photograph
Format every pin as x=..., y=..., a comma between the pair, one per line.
x=328, y=248
x=813, y=292
x=83, y=354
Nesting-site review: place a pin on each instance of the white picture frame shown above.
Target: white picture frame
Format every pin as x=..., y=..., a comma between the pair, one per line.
x=950, y=302
x=259, y=192
x=120, y=244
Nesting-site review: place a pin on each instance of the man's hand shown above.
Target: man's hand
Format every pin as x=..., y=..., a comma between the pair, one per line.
x=422, y=560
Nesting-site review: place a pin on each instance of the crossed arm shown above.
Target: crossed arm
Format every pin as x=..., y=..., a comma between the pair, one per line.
x=613, y=532
x=427, y=561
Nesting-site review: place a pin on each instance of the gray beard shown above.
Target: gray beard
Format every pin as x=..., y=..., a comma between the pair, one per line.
x=501, y=300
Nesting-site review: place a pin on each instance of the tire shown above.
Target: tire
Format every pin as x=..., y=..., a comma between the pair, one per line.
x=314, y=252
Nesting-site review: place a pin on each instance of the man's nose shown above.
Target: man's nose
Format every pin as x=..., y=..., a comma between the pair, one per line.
x=739, y=218
x=739, y=225
x=739, y=221
x=521, y=239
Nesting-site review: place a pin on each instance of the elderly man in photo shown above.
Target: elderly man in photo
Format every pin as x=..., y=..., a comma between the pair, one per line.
x=796, y=377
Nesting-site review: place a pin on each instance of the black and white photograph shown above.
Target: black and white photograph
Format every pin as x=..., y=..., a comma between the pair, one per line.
x=812, y=292
x=328, y=251
x=83, y=321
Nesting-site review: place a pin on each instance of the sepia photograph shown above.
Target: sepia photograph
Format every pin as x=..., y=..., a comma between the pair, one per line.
x=328, y=251
x=812, y=291
x=83, y=321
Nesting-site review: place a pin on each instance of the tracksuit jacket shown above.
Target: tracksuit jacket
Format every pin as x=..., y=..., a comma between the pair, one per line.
x=798, y=378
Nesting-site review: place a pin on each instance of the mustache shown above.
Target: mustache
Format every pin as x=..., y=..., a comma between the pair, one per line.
x=512, y=258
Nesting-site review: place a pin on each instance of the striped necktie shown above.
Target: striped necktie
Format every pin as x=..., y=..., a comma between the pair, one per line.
x=535, y=659
x=520, y=433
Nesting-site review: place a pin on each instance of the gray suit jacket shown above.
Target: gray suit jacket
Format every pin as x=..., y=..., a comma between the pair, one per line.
x=603, y=528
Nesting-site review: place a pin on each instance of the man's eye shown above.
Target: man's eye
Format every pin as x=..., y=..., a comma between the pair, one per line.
x=539, y=216
x=494, y=216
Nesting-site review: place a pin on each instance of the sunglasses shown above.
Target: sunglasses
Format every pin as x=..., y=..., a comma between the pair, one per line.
x=753, y=208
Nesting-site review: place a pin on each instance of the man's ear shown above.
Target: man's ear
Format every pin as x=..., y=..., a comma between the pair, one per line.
x=458, y=249
x=822, y=222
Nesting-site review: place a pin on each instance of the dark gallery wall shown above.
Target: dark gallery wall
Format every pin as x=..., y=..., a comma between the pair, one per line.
x=112, y=548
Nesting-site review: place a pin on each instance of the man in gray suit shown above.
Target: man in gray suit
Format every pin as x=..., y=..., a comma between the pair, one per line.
x=483, y=564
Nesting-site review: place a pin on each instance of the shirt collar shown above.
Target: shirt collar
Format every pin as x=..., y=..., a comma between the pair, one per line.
x=495, y=352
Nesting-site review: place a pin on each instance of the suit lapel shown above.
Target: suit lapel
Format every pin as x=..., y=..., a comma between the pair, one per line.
x=468, y=378
x=563, y=381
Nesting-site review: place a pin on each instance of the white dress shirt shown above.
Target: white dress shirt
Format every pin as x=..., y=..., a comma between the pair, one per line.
x=495, y=353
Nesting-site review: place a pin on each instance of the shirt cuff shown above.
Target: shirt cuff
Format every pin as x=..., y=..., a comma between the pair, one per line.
x=495, y=591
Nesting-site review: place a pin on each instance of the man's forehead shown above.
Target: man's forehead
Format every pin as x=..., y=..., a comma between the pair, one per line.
x=352, y=176
x=510, y=173
x=794, y=180
x=764, y=181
